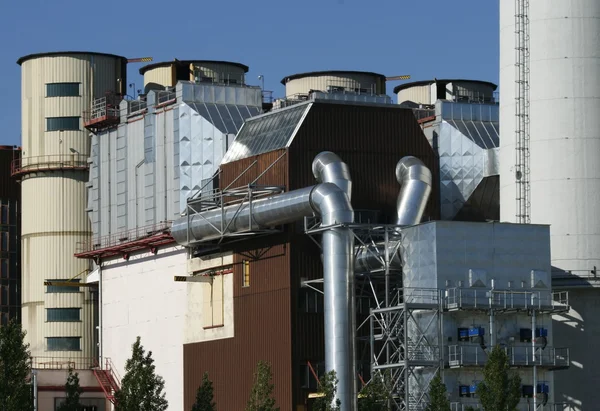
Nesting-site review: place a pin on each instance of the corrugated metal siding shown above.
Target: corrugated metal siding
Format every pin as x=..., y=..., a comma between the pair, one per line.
x=262, y=332
x=276, y=175
x=371, y=140
x=161, y=76
x=349, y=81
x=416, y=94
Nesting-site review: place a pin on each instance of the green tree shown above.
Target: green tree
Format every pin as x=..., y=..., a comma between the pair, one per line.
x=328, y=387
x=73, y=391
x=438, y=400
x=261, y=397
x=374, y=395
x=500, y=389
x=204, y=396
x=15, y=369
x=141, y=389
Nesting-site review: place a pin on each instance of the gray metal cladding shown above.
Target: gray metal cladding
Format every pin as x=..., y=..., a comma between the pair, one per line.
x=121, y=178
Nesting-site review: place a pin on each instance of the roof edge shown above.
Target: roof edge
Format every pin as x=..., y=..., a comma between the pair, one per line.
x=23, y=59
x=167, y=63
x=325, y=72
x=426, y=82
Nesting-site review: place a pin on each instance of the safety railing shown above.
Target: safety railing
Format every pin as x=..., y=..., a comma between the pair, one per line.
x=136, y=107
x=471, y=298
x=114, y=240
x=524, y=405
x=49, y=162
x=474, y=355
x=164, y=97
x=63, y=363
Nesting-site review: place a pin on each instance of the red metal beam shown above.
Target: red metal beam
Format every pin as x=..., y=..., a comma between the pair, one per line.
x=125, y=249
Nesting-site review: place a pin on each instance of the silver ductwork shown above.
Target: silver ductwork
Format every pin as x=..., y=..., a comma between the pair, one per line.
x=415, y=187
x=415, y=180
x=330, y=200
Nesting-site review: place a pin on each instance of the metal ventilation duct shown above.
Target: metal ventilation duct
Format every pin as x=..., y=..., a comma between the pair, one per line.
x=333, y=205
x=415, y=180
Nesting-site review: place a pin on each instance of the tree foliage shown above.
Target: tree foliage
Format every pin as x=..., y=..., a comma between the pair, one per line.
x=261, y=396
x=141, y=389
x=438, y=399
x=15, y=369
x=328, y=387
x=205, y=396
x=500, y=388
x=73, y=391
x=375, y=395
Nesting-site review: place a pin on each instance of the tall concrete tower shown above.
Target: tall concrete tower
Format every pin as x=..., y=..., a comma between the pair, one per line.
x=57, y=88
x=564, y=44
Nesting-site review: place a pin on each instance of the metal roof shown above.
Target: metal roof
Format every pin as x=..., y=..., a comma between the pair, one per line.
x=188, y=62
x=268, y=132
x=426, y=82
x=228, y=118
x=65, y=53
x=327, y=73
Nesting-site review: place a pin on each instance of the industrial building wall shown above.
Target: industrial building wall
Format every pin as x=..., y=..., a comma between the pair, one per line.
x=10, y=228
x=141, y=298
x=371, y=83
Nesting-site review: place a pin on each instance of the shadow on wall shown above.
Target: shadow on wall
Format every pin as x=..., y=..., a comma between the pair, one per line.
x=574, y=330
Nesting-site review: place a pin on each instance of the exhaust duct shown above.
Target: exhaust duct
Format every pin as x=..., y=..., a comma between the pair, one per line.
x=330, y=200
x=415, y=187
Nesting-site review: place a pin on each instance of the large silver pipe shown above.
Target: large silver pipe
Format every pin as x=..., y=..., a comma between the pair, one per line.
x=415, y=180
x=338, y=277
x=328, y=167
x=266, y=213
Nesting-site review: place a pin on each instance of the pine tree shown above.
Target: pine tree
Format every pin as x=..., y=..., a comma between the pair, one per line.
x=374, y=395
x=15, y=369
x=328, y=387
x=261, y=397
x=204, y=396
x=141, y=389
x=73, y=391
x=438, y=400
x=500, y=388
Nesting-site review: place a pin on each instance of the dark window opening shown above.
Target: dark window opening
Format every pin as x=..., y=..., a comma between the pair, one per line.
x=4, y=241
x=62, y=123
x=62, y=90
x=4, y=268
x=4, y=214
x=63, y=288
x=63, y=314
x=63, y=343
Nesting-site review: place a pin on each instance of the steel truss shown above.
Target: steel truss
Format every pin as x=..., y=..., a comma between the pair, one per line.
x=399, y=346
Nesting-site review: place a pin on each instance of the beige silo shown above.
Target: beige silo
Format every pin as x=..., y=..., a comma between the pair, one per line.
x=57, y=88
x=334, y=80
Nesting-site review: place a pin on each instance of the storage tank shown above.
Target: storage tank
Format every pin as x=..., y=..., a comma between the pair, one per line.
x=564, y=165
x=56, y=89
x=427, y=92
x=332, y=81
x=158, y=76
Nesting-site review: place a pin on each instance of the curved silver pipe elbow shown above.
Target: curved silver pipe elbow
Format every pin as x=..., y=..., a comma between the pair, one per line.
x=328, y=167
x=415, y=179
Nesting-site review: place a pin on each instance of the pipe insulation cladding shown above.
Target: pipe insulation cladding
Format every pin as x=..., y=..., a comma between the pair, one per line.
x=415, y=187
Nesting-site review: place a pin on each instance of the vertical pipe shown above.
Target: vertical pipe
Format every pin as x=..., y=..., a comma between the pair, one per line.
x=533, y=325
x=491, y=299
x=35, y=389
x=100, y=350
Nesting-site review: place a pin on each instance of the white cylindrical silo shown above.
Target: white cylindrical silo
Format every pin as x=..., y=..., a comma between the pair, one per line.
x=341, y=80
x=564, y=165
x=57, y=88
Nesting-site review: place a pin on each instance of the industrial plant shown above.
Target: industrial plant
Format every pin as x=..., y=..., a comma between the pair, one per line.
x=333, y=228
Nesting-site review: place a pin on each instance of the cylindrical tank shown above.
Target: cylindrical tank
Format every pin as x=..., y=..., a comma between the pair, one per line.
x=56, y=89
x=157, y=76
x=564, y=166
x=427, y=92
x=355, y=81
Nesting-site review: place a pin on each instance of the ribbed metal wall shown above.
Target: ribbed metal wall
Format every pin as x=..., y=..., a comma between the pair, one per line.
x=321, y=81
x=54, y=202
x=268, y=322
x=565, y=171
x=166, y=75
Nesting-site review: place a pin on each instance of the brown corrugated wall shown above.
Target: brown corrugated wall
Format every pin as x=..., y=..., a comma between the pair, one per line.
x=268, y=323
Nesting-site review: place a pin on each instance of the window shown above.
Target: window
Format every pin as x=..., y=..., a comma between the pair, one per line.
x=88, y=404
x=310, y=301
x=3, y=267
x=62, y=123
x=212, y=302
x=4, y=214
x=245, y=273
x=63, y=344
x=63, y=314
x=62, y=90
x=62, y=288
x=4, y=295
x=4, y=241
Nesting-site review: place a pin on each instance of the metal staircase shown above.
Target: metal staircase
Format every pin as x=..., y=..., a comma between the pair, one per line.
x=108, y=379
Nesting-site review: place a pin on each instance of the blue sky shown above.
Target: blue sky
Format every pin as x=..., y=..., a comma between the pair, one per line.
x=276, y=38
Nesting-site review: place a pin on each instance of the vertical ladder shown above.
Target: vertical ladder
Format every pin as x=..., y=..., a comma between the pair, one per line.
x=522, y=69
